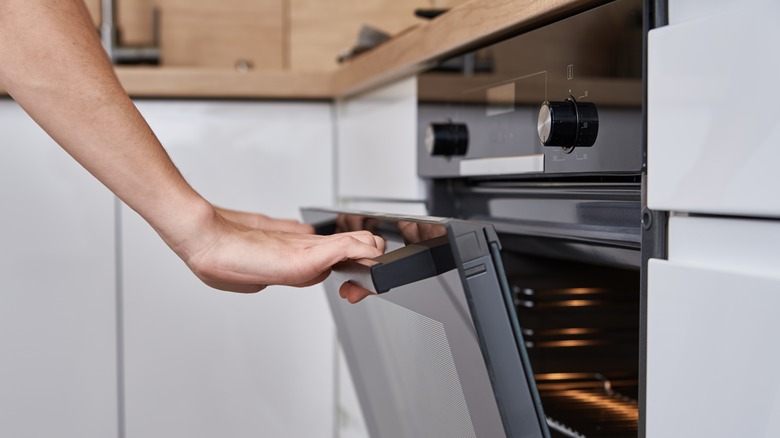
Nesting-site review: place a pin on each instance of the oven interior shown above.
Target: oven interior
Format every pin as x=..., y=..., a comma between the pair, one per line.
x=580, y=324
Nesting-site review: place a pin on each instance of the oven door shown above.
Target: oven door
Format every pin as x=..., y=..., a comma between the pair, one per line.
x=437, y=351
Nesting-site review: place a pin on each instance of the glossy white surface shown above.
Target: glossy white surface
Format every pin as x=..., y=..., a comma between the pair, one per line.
x=713, y=130
x=57, y=300
x=203, y=363
x=712, y=353
x=736, y=245
x=502, y=165
x=712, y=328
x=377, y=144
x=684, y=10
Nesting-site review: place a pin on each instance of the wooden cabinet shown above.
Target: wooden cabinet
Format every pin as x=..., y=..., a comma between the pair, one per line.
x=320, y=30
x=223, y=34
x=297, y=35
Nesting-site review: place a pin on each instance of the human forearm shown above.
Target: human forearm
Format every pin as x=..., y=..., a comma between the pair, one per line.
x=57, y=70
x=52, y=63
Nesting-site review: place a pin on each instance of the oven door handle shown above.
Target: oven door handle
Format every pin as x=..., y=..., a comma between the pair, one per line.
x=413, y=262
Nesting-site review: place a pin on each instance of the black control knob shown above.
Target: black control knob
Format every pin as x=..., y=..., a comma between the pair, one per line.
x=447, y=139
x=568, y=124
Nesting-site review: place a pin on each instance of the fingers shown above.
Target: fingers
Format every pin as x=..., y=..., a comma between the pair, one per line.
x=366, y=237
x=356, y=245
x=353, y=293
x=316, y=280
x=234, y=287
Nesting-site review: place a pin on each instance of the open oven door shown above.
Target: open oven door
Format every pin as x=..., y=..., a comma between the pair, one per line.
x=437, y=351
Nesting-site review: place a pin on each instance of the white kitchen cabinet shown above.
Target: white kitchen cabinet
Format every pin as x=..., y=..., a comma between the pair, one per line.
x=712, y=353
x=57, y=300
x=377, y=144
x=712, y=330
x=683, y=10
x=713, y=130
x=204, y=363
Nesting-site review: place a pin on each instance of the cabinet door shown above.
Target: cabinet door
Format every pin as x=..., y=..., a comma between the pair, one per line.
x=712, y=124
x=57, y=299
x=377, y=144
x=223, y=34
x=204, y=363
x=712, y=353
x=713, y=331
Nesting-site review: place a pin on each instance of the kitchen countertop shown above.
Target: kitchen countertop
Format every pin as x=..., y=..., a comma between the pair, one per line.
x=464, y=26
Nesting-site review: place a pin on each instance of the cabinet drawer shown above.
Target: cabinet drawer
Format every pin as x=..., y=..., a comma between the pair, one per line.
x=712, y=125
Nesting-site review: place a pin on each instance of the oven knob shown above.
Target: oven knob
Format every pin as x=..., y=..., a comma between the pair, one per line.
x=568, y=124
x=447, y=139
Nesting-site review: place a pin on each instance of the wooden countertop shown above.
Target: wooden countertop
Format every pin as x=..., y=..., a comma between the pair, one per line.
x=210, y=83
x=462, y=27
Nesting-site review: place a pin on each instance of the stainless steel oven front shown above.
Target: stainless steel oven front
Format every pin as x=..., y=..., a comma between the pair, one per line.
x=523, y=317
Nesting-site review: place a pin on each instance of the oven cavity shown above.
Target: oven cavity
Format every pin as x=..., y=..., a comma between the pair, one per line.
x=580, y=325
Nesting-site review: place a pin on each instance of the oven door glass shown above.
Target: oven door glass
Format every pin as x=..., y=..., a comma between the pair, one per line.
x=438, y=352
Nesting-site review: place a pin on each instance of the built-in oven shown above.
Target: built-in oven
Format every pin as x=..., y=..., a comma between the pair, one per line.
x=472, y=334
x=517, y=308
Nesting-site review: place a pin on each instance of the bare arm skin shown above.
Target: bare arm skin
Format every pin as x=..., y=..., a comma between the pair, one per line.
x=53, y=64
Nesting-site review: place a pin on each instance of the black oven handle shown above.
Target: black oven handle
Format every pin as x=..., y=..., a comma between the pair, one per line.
x=413, y=262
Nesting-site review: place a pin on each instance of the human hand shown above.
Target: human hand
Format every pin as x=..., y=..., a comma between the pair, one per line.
x=412, y=232
x=353, y=293
x=348, y=223
x=415, y=232
x=263, y=222
x=233, y=257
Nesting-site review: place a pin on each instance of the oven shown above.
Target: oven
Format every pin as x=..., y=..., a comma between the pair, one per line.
x=517, y=308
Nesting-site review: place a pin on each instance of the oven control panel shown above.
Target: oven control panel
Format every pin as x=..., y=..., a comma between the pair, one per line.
x=563, y=99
